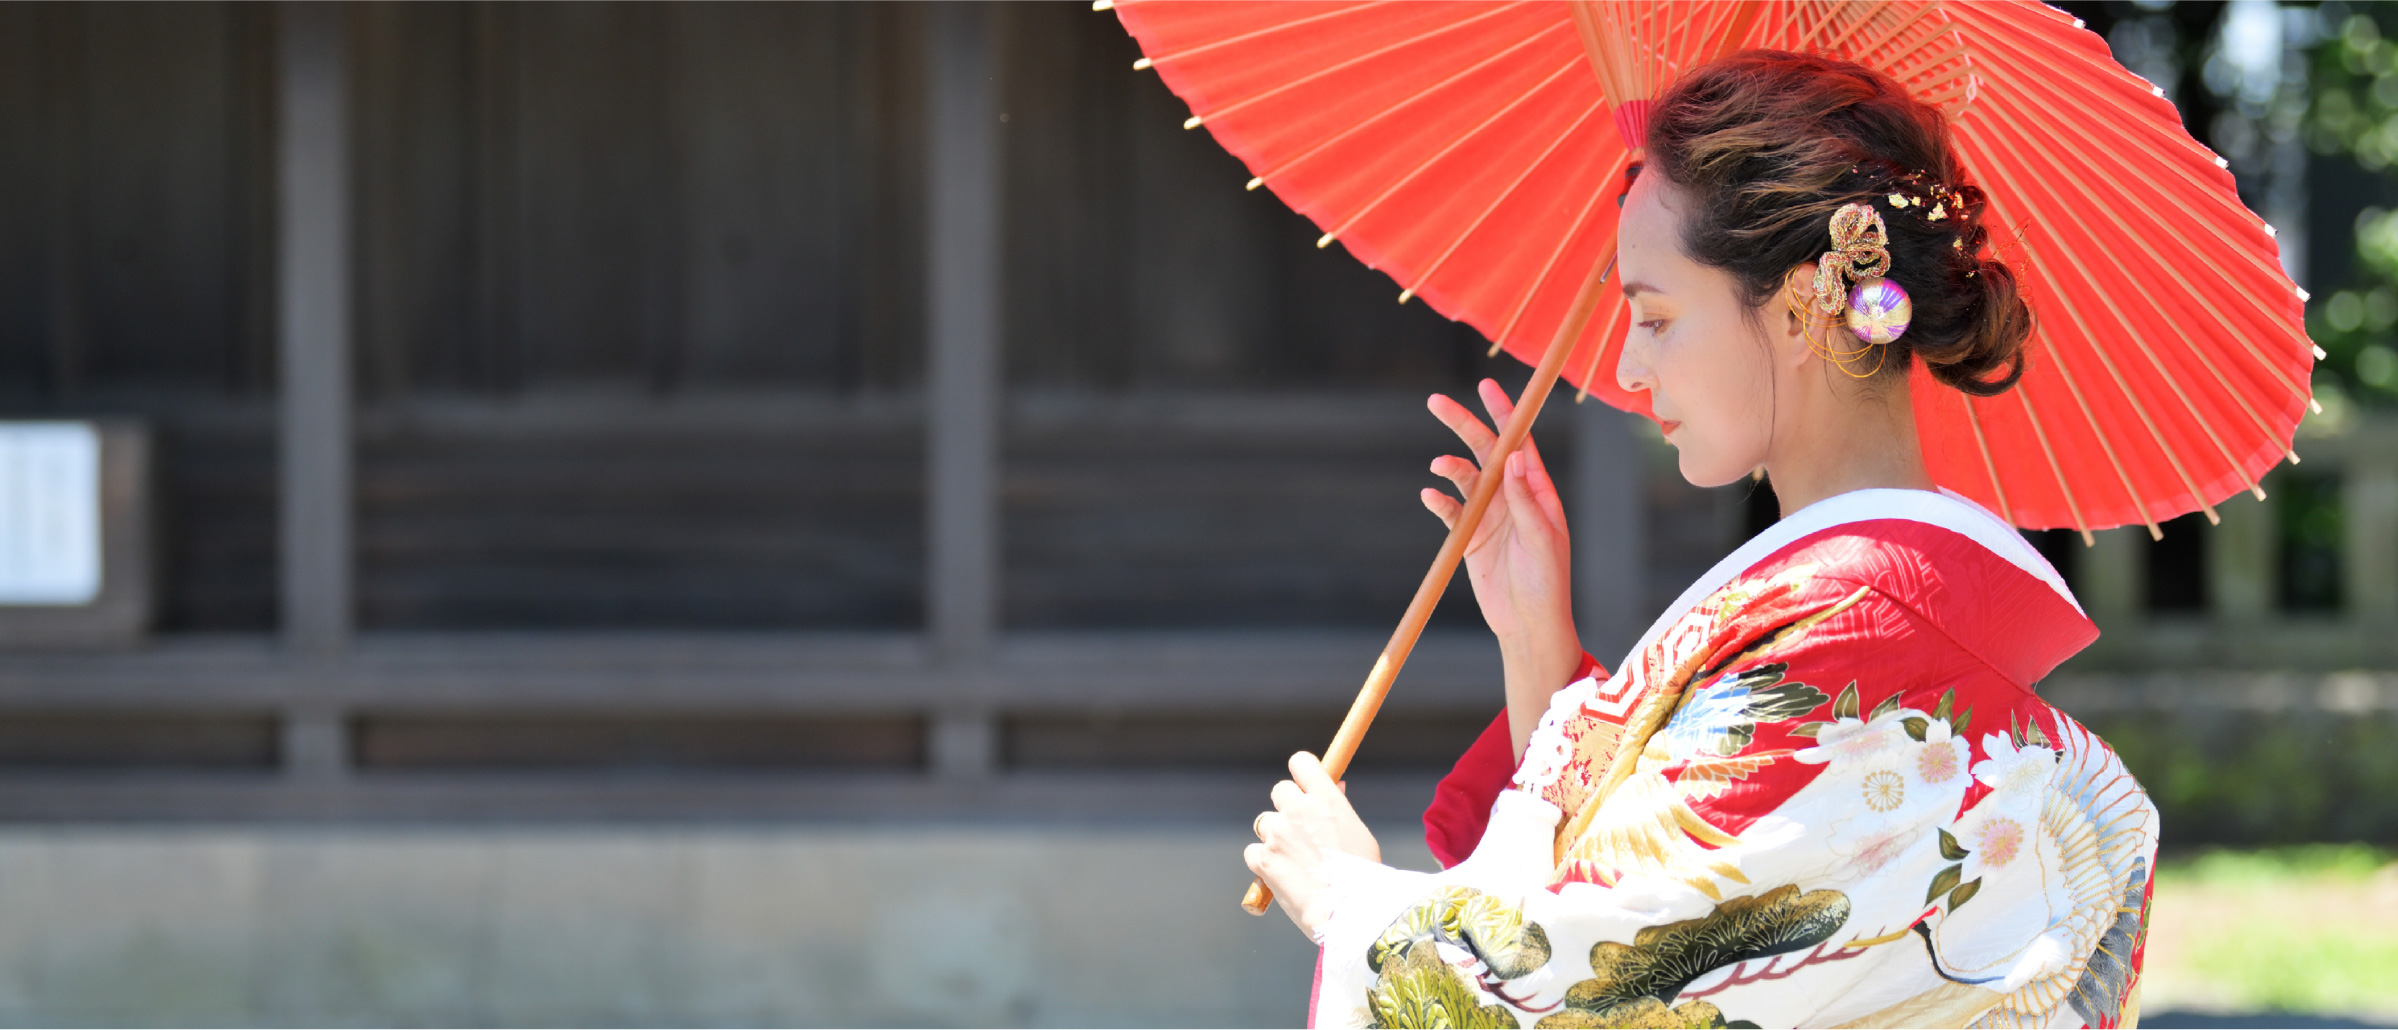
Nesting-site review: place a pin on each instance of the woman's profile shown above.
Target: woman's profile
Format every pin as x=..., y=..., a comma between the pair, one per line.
x=1821, y=790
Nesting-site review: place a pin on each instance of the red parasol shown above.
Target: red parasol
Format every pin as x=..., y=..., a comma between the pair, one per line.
x=1470, y=150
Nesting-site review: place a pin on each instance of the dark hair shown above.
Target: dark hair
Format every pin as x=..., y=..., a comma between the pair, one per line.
x=1767, y=145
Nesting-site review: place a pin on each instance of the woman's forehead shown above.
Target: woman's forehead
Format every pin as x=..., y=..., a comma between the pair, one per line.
x=1649, y=245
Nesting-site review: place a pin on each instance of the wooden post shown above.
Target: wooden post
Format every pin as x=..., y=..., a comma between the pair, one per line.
x=313, y=308
x=1609, y=519
x=2369, y=496
x=964, y=390
x=2242, y=564
x=2111, y=578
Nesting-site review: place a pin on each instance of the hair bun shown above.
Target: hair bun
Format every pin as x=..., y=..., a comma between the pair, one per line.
x=1768, y=145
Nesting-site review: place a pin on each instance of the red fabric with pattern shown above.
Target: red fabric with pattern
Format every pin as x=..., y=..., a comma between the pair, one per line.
x=1905, y=612
x=1460, y=808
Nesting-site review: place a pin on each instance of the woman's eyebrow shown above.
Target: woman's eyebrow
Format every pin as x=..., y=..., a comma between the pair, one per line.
x=1633, y=288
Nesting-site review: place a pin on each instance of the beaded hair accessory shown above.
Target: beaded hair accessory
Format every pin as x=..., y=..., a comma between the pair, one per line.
x=1851, y=291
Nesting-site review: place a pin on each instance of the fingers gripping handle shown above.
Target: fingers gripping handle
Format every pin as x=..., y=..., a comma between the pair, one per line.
x=1452, y=550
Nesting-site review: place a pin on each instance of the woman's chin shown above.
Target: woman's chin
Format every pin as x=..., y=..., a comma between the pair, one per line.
x=1699, y=471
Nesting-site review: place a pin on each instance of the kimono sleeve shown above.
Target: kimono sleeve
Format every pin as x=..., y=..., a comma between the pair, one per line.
x=1460, y=806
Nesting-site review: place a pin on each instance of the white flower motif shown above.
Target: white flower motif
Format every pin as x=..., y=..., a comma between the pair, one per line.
x=2017, y=774
x=1884, y=790
x=1878, y=849
x=1941, y=758
x=1848, y=740
x=1997, y=840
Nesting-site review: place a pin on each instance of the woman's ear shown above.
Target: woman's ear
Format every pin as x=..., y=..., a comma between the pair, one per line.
x=1795, y=325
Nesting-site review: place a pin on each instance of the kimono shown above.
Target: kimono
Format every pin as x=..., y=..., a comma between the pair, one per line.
x=1820, y=791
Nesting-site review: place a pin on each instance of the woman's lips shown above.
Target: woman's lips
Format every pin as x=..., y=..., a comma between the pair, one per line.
x=1668, y=426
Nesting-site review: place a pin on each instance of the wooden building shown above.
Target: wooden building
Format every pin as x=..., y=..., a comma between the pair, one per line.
x=752, y=409
x=767, y=410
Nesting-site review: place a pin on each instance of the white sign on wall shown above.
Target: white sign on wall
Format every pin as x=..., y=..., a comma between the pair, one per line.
x=49, y=513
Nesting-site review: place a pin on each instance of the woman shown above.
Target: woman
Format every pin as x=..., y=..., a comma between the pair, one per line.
x=1821, y=790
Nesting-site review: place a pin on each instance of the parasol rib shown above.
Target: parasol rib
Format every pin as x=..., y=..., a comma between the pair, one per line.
x=2106, y=445
x=2139, y=408
x=2031, y=416
x=2156, y=134
x=1973, y=418
x=1261, y=178
x=2240, y=334
x=1150, y=62
x=1541, y=281
x=2204, y=424
x=1452, y=550
x=1197, y=119
x=1419, y=169
x=1598, y=353
x=2254, y=308
x=1857, y=25
x=1577, y=126
x=2173, y=231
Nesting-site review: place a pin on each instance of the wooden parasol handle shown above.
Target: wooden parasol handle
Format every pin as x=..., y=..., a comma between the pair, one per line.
x=1452, y=550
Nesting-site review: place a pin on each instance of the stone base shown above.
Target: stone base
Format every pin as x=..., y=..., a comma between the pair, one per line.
x=660, y=926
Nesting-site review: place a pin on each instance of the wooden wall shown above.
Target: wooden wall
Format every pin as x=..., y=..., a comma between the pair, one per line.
x=640, y=321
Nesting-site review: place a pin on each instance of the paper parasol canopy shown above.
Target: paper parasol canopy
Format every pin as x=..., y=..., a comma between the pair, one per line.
x=1473, y=151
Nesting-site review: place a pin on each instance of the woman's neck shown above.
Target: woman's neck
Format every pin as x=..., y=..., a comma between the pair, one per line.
x=1842, y=442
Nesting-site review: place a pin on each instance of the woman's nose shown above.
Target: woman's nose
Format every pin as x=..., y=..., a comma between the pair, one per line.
x=1632, y=367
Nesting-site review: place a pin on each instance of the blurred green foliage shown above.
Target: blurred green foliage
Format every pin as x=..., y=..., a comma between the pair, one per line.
x=2269, y=945
x=2351, y=113
x=2244, y=777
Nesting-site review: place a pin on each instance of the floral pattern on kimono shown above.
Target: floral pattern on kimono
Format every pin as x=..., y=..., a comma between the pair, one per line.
x=1821, y=793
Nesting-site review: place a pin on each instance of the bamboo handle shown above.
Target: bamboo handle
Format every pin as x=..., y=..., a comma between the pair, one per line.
x=1452, y=550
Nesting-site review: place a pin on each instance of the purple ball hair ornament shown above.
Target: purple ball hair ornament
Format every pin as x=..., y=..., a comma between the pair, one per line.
x=1878, y=310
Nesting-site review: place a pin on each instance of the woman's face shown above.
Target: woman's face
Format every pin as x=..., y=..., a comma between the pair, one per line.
x=1708, y=366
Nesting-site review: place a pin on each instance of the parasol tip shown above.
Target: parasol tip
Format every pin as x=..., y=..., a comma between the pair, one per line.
x=2314, y=405
x=1103, y=5
x=1324, y=241
x=2088, y=540
x=2302, y=294
x=1406, y=295
x=2320, y=354
x=1141, y=65
x=2257, y=490
x=1191, y=122
x=1255, y=183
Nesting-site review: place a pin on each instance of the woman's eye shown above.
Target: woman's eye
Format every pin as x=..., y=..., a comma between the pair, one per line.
x=1654, y=325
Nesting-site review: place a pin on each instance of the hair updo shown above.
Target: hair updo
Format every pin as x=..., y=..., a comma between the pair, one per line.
x=1766, y=145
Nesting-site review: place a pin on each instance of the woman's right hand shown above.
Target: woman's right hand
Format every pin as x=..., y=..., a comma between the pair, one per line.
x=1519, y=560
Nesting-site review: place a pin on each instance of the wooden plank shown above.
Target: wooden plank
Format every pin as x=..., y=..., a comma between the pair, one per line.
x=1115, y=796
x=787, y=672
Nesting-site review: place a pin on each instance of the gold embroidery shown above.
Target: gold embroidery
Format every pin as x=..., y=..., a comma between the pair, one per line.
x=1656, y=830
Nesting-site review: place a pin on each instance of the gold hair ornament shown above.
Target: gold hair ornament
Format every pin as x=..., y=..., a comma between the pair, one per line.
x=1851, y=289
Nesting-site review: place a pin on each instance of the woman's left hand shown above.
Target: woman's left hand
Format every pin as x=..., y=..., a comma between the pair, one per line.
x=1311, y=821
